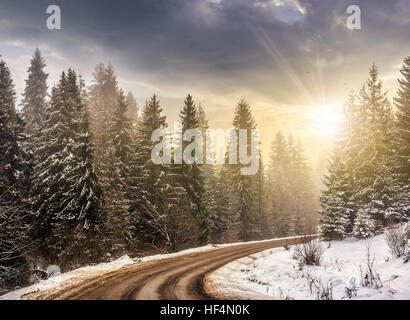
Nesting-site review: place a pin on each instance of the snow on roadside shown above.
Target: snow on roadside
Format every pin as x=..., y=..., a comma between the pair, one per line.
x=77, y=276
x=273, y=274
x=72, y=277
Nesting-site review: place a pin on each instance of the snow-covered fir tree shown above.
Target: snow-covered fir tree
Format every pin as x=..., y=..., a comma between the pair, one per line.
x=118, y=228
x=66, y=191
x=300, y=188
x=113, y=138
x=361, y=177
x=152, y=119
x=12, y=157
x=401, y=166
x=34, y=96
x=217, y=202
x=84, y=191
x=116, y=179
x=289, y=188
x=191, y=174
x=373, y=184
x=102, y=101
x=364, y=226
x=279, y=186
x=245, y=186
x=161, y=208
x=15, y=241
x=102, y=98
x=119, y=135
x=336, y=200
x=132, y=110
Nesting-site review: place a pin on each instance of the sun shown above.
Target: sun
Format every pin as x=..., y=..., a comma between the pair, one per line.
x=325, y=119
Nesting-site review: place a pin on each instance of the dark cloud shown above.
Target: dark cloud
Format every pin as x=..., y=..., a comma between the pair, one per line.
x=279, y=54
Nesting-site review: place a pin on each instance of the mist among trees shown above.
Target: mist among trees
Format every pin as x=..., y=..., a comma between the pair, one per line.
x=78, y=185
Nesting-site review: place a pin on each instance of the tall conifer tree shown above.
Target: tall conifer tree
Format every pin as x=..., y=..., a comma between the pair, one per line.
x=66, y=191
x=34, y=97
x=401, y=167
x=191, y=174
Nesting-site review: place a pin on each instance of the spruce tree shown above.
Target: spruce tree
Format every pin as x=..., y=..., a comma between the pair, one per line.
x=217, y=202
x=374, y=192
x=118, y=229
x=15, y=242
x=103, y=98
x=245, y=187
x=119, y=134
x=335, y=201
x=147, y=209
x=162, y=209
x=15, y=239
x=203, y=124
x=12, y=160
x=364, y=225
x=102, y=101
x=84, y=186
x=152, y=119
x=280, y=186
x=191, y=174
x=401, y=167
x=66, y=191
x=338, y=200
x=34, y=97
x=265, y=219
x=300, y=188
x=113, y=138
x=132, y=109
x=117, y=180
x=228, y=201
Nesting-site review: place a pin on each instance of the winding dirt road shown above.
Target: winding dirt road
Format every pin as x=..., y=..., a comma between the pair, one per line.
x=177, y=278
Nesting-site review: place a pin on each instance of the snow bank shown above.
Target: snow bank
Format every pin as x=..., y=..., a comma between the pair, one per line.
x=273, y=274
x=70, y=278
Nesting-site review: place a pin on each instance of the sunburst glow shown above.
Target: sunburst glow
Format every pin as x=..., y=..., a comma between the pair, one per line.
x=325, y=119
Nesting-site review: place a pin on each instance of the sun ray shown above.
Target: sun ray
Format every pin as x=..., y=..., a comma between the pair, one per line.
x=325, y=119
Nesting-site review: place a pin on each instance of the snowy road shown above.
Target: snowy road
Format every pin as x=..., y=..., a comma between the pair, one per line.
x=180, y=277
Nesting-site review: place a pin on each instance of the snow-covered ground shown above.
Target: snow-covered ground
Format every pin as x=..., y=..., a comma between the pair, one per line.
x=273, y=274
x=80, y=275
x=70, y=278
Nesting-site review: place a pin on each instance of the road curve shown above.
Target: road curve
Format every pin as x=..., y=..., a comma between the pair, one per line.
x=177, y=278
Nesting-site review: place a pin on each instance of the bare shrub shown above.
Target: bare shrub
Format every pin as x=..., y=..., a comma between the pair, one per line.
x=324, y=291
x=338, y=264
x=309, y=253
x=282, y=295
x=370, y=278
x=406, y=257
x=351, y=288
x=396, y=239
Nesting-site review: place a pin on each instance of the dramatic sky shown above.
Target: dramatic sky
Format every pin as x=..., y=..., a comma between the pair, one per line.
x=291, y=60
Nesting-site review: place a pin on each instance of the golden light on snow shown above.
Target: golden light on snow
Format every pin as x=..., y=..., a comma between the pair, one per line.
x=325, y=119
